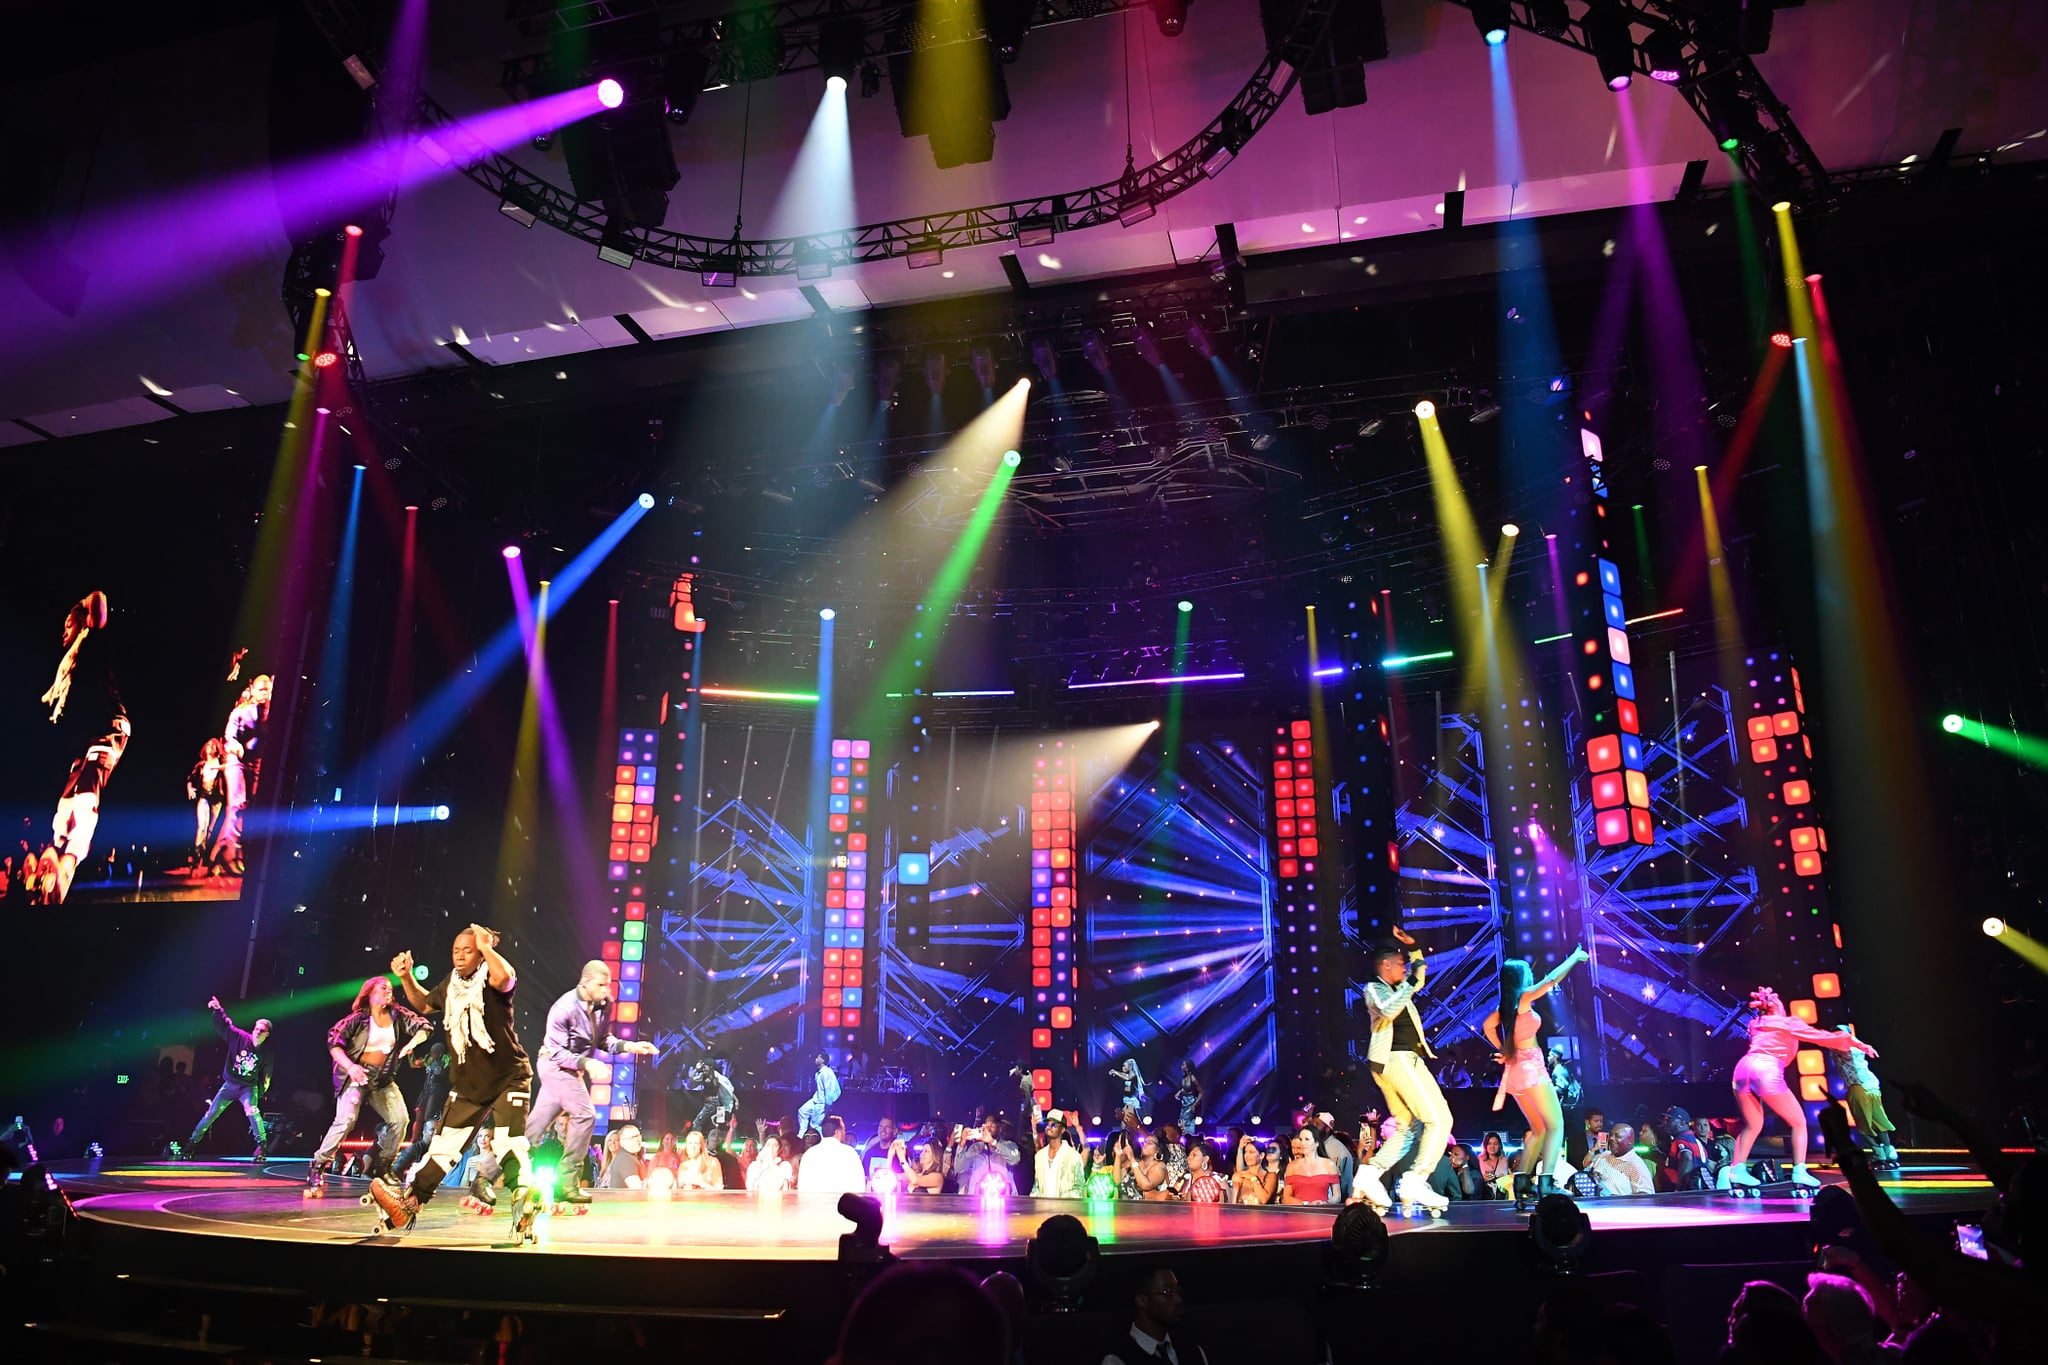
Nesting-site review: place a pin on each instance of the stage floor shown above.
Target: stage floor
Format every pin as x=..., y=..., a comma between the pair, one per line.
x=236, y=1200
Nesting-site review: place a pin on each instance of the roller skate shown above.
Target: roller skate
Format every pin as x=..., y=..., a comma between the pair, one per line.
x=481, y=1200
x=316, y=1183
x=527, y=1203
x=1526, y=1192
x=1418, y=1198
x=1368, y=1187
x=396, y=1209
x=1737, y=1181
x=1802, y=1183
x=572, y=1198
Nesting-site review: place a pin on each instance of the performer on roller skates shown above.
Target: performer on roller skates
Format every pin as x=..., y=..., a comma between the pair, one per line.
x=824, y=1094
x=366, y=1045
x=1774, y=1039
x=1524, y=1074
x=579, y=1027
x=720, y=1110
x=488, y=1070
x=1866, y=1105
x=1396, y=1052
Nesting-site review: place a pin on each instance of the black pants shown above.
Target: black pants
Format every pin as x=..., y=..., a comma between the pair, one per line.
x=459, y=1127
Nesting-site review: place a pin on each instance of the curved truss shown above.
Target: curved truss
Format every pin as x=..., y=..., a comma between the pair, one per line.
x=1771, y=144
x=1130, y=198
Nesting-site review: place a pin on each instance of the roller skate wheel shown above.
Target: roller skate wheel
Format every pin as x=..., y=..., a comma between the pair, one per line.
x=365, y=1200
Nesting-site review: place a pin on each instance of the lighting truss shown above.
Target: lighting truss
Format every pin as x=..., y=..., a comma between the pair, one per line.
x=1180, y=170
x=884, y=32
x=1707, y=54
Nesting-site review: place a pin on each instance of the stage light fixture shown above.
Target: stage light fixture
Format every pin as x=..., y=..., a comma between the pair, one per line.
x=1551, y=18
x=1664, y=54
x=1147, y=348
x=322, y=292
x=1358, y=1246
x=841, y=40
x=835, y=85
x=322, y=411
x=1782, y=206
x=1007, y=21
x=1613, y=47
x=1952, y=723
x=983, y=363
x=888, y=378
x=1484, y=413
x=1172, y=16
x=1490, y=17
x=353, y=230
x=1063, y=1259
x=1510, y=530
x=721, y=271
x=1236, y=130
x=511, y=552
x=325, y=359
x=1185, y=605
x=1425, y=410
x=1994, y=926
x=870, y=80
x=862, y=1246
x=1782, y=340
x=440, y=812
x=935, y=371
x=610, y=93
x=925, y=253
x=1036, y=231
x=1561, y=1231
x=1012, y=458
x=1045, y=357
x=1371, y=425
x=813, y=264
x=826, y=613
x=1096, y=350
x=646, y=502
x=1199, y=340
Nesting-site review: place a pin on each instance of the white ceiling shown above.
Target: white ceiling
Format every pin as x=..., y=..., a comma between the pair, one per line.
x=1869, y=81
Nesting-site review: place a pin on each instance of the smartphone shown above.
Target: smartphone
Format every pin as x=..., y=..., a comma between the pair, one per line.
x=957, y=1130
x=1970, y=1240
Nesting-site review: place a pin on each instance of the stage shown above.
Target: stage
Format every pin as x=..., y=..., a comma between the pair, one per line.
x=733, y=1263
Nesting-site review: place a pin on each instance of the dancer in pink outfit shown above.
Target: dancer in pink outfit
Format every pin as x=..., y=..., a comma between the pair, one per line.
x=1774, y=1040
x=1524, y=1074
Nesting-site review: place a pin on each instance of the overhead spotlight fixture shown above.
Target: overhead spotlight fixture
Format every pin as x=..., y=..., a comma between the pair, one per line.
x=1753, y=20
x=1994, y=926
x=1425, y=410
x=1359, y=1244
x=813, y=263
x=1262, y=441
x=826, y=613
x=1782, y=340
x=1096, y=350
x=1185, y=605
x=325, y=359
x=1510, y=530
x=888, y=379
x=514, y=206
x=1485, y=412
x=646, y=501
x=1013, y=458
x=1730, y=114
x=322, y=292
x=1490, y=17
x=1135, y=208
x=610, y=93
x=1231, y=136
x=1035, y=231
x=721, y=271
x=1782, y=206
x=1045, y=357
x=1147, y=348
x=616, y=249
x=1613, y=47
x=842, y=383
x=684, y=74
x=1172, y=16
x=352, y=230
x=1550, y=18
x=1371, y=425
x=935, y=370
x=924, y=253
x=1664, y=54
x=1007, y=21
x=1199, y=340
x=1952, y=723
x=510, y=552
x=984, y=366
x=842, y=39
x=1561, y=1231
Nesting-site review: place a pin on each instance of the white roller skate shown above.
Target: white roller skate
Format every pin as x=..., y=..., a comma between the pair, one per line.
x=1419, y=1198
x=1368, y=1187
x=1803, y=1183
x=1737, y=1181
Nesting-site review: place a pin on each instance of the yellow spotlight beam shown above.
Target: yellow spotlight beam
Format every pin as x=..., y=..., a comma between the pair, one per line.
x=2033, y=953
x=1462, y=552
x=1727, y=619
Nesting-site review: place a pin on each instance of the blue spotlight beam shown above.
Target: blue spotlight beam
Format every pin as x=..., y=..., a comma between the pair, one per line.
x=334, y=653
x=439, y=713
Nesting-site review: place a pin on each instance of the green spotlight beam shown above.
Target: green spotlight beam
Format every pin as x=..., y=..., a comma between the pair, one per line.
x=2031, y=750
x=898, y=674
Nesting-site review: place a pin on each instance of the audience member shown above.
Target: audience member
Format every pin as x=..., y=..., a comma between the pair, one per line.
x=768, y=1173
x=1619, y=1170
x=1311, y=1177
x=627, y=1167
x=1496, y=1168
x=926, y=1172
x=1252, y=1179
x=1843, y=1319
x=979, y=1153
x=831, y=1166
x=1455, y=1176
x=699, y=1169
x=875, y=1153
x=1204, y=1186
x=1767, y=1327
x=1156, y=1310
x=1056, y=1169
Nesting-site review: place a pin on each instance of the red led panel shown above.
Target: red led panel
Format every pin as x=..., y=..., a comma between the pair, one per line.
x=1299, y=729
x=1759, y=727
x=1804, y=1009
x=1062, y=1016
x=1607, y=790
x=1785, y=723
x=1641, y=828
x=1805, y=838
x=1603, y=753
x=1625, y=712
x=1797, y=793
x=1612, y=827
x=1827, y=985
x=1806, y=864
x=1763, y=751
x=1041, y=1037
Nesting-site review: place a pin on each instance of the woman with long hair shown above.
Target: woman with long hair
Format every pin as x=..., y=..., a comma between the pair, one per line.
x=1494, y=1166
x=1311, y=1177
x=1512, y=1029
x=1759, y=1081
x=769, y=1173
x=1251, y=1182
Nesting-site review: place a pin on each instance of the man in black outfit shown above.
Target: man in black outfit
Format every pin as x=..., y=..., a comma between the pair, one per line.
x=243, y=1077
x=489, y=1070
x=1156, y=1309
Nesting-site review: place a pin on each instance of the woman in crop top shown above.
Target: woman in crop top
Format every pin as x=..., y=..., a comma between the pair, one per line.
x=1523, y=1072
x=1311, y=1177
x=1774, y=1040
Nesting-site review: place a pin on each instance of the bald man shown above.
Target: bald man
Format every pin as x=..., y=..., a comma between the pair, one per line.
x=579, y=1026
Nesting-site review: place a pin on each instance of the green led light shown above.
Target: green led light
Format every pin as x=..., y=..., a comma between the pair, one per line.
x=1403, y=660
x=630, y=952
x=751, y=694
x=1952, y=723
x=635, y=931
x=419, y=971
x=1729, y=144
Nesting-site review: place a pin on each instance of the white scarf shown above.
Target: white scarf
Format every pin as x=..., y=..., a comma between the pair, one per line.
x=466, y=1012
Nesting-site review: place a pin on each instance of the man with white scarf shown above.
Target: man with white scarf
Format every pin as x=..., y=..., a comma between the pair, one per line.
x=488, y=1069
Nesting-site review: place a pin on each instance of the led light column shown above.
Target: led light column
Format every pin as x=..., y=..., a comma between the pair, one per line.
x=1055, y=901
x=843, y=994
x=634, y=831
x=1607, y=680
x=1798, y=923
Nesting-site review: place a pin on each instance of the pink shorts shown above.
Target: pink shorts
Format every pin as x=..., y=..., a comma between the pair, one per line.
x=1760, y=1075
x=1525, y=1072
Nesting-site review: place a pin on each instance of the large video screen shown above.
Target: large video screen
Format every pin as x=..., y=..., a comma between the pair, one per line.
x=134, y=728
